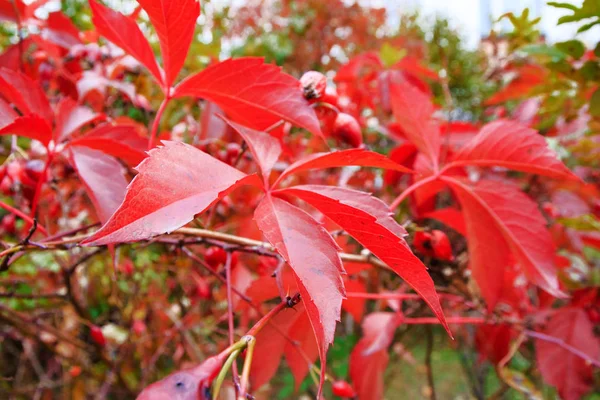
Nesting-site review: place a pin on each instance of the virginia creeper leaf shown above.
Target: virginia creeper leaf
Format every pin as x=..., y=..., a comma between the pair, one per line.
x=174, y=21
x=264, y=147
x=560, y=367
x=252, y=93
x=126, y=34
x=369, y=221
x=302, y=345
x=7, y=114
x=102, y=177
x=313, y=255
x=413, y=111
x=31, y=126
x=502, y=221
x=121, y=141
x=70, y=117
x=451, y=217
x=174, y=183
x=343, y=158
x=369, y=357
x=511, y=145
x=270, y=344
x=61, y=30
x=26, y=94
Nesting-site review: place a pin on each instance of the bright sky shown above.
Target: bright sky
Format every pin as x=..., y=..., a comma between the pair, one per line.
x=470, y=16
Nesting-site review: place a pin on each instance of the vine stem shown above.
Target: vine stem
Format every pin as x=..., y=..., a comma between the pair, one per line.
x=246, y=370
x=242, y=241
x=230, y=321
x=157, y=118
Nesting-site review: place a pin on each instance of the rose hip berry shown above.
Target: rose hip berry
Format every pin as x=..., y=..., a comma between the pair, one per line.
x=347, y=130
x=313, y=85
x=343, y=389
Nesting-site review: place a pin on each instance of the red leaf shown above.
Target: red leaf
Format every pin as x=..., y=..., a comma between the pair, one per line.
x=369, y=357
x=252, y=93
x=174, y=21
x=26, y=94
x=174, y=183
x=451, y=217
x=125, y=33
x=511, y=145
x=61, y=30
x=270, y=343
x=7, y=114
x=493, y=341
x=7, y=10
x=31, y=126
x=560, y=367
x=70, y=117
x=313, y=255
x=302, y=349
x=121, y=141
x=413, y=111
x=529, y=76
x=369, y=221
x=264, y=147
x=502, y=221
x=351, y=157
x=102, y=177
x=354, y=306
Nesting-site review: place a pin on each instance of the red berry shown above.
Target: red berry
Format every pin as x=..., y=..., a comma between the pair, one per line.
x=215, y=256
x=6, y=186
x=75, y=371
x=8, y=223
x=127, y=267
x=422, y=242
x=433, y=244
x=313, y=84
x=138, y=327
x=15, y=171
x=343, y=389
x=233, y=152
x=97, y=335
x=441, y=246
x=202, y=288
x=551, y=210
x=347, y=130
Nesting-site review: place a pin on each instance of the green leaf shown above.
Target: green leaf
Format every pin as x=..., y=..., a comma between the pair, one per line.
x=544, y=50
x=586, y=222
x=562, y=5
x=390, y=55
x=574, y=48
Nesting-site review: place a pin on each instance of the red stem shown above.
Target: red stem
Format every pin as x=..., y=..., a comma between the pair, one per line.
x=22, y=215
x=156, y=122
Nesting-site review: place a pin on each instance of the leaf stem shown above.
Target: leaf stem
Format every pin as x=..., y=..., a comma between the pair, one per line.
x=223, y=373
x=157, y=118
x=251, y=341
